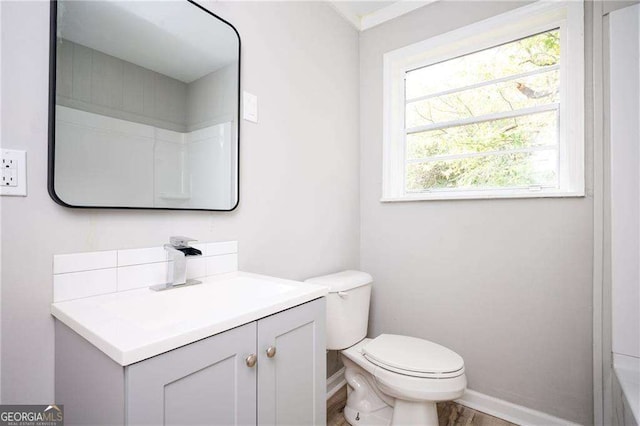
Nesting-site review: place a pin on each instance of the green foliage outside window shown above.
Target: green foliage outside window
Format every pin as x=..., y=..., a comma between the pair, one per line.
x=500, y=167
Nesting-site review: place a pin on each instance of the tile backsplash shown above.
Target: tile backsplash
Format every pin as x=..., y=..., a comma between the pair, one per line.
x=90, y=274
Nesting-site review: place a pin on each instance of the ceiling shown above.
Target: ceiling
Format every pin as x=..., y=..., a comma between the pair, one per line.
x=362, y=8
x=156, y=37
x=366, y=14
x=152, y=34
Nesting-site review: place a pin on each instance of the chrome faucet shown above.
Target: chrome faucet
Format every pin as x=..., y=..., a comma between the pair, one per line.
x=178, y=250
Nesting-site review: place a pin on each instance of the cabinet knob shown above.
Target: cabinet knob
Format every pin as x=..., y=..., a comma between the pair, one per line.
x=271, y=351
x=251, y=360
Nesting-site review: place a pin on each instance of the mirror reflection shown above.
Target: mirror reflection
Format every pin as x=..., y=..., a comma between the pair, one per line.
x=146, y=106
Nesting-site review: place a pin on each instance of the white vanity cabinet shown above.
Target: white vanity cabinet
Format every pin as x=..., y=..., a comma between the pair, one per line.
x=208, y=382
x=292, y=382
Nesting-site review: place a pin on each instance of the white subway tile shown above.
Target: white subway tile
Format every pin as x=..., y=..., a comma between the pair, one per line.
x=196, y=267
x=227, y=247
x=139, y=276
x=141, y=256
x=65, y=263
x=222, y=264
x=75, y=285
x=89, y=274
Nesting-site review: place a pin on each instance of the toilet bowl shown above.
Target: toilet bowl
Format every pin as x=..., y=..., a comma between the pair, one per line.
x=392, y=379
x=412, y=394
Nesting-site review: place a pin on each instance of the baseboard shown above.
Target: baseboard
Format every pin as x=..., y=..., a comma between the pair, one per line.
x=335, y=382
x=478, y=401
x=508, y=411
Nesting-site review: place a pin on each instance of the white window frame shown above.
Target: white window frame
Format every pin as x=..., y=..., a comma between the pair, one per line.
x=519, y=23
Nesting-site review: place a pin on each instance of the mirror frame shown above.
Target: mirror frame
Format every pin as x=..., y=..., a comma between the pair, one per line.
x=53, y=27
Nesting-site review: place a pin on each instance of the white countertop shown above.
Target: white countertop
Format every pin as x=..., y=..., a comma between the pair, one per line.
x=133, y=325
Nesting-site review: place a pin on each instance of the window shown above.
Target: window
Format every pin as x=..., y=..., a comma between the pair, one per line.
x=492, y=110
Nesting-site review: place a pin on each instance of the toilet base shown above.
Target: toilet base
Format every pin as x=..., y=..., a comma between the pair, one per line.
x=386, y=400
x=405, y=413
x=365, y=405
x=422, y=413
x=381, y=417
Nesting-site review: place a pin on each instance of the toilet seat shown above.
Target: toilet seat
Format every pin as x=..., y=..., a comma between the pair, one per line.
x=414, y=357
x=401, y=384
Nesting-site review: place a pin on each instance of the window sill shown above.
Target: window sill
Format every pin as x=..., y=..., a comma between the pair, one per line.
x=442, y=196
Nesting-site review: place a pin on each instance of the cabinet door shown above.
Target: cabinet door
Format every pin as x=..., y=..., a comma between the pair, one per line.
x=292, y=383
x=205, y=383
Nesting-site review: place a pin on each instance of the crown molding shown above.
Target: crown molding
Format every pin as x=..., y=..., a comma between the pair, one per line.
x=387, y=13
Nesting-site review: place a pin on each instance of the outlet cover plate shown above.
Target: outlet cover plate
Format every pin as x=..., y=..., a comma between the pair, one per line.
x=13, y=175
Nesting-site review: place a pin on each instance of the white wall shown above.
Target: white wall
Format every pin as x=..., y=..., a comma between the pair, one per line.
x=298, y=213
x=0, y=217
x=505, y=283
x=211, y=101
x=203, y=108
x=625, y=179
x=105, y=161
x=209, y=166
x=93, y=81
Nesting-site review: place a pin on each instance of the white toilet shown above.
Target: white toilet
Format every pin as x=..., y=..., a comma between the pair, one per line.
x=392, y=379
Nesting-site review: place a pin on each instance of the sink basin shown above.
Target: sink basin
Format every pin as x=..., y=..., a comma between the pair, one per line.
x=214, y=299
x=133, y=325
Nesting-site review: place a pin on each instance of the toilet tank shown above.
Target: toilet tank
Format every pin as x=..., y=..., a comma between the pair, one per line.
x=347, y=307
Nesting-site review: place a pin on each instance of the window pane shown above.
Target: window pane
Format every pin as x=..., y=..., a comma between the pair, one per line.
x=513, y=133
x=520, y=169
x=516, y=57
x=510, y=95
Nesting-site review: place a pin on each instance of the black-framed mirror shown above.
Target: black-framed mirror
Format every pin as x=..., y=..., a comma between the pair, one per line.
x=144, y=106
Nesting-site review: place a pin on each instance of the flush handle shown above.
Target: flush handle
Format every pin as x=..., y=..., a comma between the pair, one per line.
x=271, y=351
x=343, y=294
x=251, y=360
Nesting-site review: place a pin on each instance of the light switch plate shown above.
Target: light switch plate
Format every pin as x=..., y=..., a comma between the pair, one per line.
x=13, y=173
x=249, y=107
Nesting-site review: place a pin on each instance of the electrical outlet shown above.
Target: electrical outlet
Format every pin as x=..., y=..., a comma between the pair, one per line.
x=13, y=172
x=9, y=177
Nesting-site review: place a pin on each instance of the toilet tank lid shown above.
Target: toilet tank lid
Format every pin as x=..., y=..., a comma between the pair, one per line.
x=342, y=281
